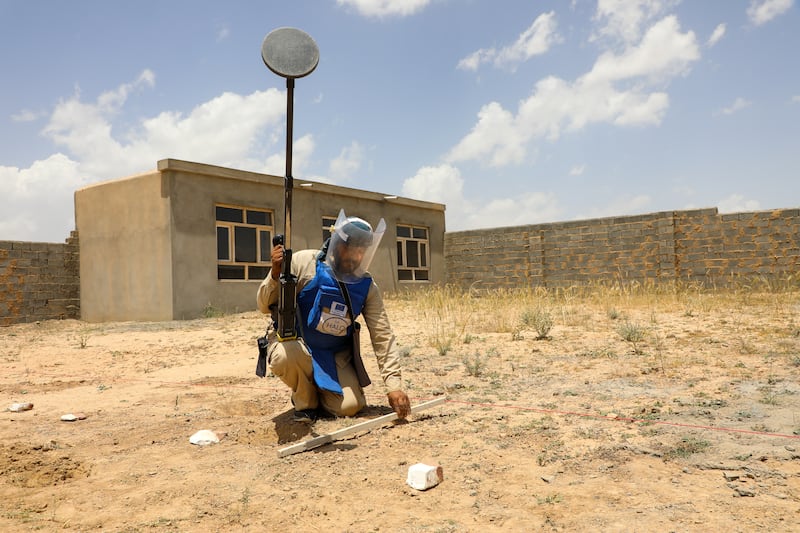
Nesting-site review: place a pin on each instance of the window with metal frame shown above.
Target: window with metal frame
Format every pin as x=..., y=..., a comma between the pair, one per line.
x=327, y=226
x=413, y=261
x=244, y=242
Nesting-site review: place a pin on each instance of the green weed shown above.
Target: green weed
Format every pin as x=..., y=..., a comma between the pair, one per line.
x=633, y=333
x=540, y=320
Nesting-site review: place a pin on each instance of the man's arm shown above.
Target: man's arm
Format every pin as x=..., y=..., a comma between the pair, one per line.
x=269, y=289
x=386, y=353
x=303, y=266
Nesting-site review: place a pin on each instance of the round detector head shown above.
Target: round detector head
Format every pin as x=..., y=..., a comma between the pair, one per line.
x=290, y=53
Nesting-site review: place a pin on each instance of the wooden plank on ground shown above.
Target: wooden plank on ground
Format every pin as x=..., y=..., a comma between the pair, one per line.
x=343, y=433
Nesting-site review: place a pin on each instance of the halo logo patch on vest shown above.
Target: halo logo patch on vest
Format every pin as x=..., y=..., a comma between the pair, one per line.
x=329, y=315
x=332, y=324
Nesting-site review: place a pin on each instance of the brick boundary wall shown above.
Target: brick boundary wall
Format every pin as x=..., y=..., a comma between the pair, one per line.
x=39, y=280
x=694, y=246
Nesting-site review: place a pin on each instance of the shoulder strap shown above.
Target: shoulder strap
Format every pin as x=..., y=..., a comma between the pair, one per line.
x=346, y=295
x=358, y=363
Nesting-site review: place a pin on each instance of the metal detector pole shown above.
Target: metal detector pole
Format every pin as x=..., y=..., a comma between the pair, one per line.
x=289, y=53
x=289, y=184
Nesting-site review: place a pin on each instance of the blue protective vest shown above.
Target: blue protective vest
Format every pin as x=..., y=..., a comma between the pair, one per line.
x=326, y=324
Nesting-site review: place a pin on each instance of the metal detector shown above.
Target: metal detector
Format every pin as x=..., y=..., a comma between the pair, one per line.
x=289, y=53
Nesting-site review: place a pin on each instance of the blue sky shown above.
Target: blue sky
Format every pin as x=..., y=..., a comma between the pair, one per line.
x=508, y=111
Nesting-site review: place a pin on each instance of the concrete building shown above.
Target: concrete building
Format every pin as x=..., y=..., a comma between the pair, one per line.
x=188, y=237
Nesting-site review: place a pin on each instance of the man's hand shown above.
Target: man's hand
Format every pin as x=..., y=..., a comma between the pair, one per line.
x=400, y=403
x=277, y=261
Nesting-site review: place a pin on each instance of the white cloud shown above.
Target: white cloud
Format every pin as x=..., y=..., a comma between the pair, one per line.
x=577, y=170
x=23, y=228
x=719, y=32
x=626, y=205
x=223, y=33
x=233, y=130
x=497, y=136
x=762, y=11
x=736, y=203
x=347, y=164
x=275, y=164
x=737, y=105
x=444, y=184
x=385, y=8
x=796, y=99
x=26, y=115
x=222, y=131
x=527, y=208
x=110, y=101
x=38, y=200
x=475, y=59
x=537, y=39
x=51, y=176
x=615, y=91
x=663, y=52
x=624, y=19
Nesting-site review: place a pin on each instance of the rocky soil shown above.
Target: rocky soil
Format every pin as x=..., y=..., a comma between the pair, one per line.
x=649, y=414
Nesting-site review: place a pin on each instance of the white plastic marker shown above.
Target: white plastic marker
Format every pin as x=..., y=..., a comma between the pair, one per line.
x=422, y=476
x=204, y=437
x=351, y=430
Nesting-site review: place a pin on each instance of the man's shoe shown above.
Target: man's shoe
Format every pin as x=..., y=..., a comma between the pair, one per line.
x=305, y=416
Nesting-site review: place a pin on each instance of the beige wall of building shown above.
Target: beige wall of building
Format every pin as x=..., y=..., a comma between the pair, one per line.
x=148, y=243
x=126, y=266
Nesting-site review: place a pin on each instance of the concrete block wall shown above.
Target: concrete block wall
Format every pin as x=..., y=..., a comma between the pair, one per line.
x=694, y=245
x=506, y=258
x=630, y=248
x=39, y=281
x=712, y=246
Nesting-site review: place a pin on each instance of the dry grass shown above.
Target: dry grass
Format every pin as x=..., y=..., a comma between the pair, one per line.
x=554, y=419
x=453, y=316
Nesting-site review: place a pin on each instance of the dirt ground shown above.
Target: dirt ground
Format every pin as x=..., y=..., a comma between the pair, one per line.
x=696, y=427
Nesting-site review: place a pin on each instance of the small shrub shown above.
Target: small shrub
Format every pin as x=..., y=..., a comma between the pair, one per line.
x=687, y=447
x=633, y=333
x=209, y=311
x=550, y=499
x=475, y=364
x=540, y=320
x=769, y=396
x=405, y=351
x=442, y=344
x=597, y=353
x=746, y=347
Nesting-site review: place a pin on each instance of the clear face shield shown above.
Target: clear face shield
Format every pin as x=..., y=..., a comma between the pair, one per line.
x=352, y=247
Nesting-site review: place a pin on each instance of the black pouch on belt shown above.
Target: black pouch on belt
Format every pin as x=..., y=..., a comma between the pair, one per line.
x=358, y=363
x=261, y=365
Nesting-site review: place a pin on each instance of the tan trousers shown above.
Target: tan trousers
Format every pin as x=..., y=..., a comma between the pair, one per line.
x=291, y=362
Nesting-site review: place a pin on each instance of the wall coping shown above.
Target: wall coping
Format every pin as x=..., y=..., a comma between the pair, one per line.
x=612, y=220
x=178, y=165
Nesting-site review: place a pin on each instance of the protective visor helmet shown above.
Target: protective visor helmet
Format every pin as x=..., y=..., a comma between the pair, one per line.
x=352, y=247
